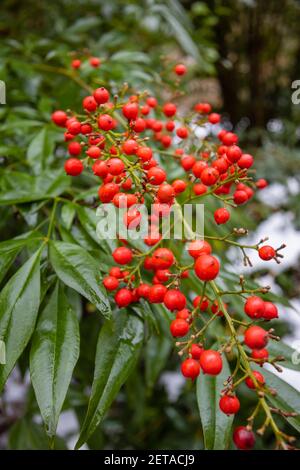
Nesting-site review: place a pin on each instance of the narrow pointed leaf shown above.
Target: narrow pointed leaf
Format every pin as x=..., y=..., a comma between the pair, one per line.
x=19, y=304
x=216, y=425
x=117, y=351
x=54, y=353
x=79, y=270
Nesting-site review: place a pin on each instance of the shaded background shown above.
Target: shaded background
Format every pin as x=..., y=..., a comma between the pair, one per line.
x=243, y=57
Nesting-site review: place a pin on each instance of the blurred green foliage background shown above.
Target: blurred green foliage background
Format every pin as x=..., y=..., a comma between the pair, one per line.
x=243, y=56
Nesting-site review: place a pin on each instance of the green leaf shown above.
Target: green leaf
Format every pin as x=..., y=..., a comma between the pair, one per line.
x=19, y=304
x=78, y=270
x=117, y=351
x=54, y=353
x=27, y=435
x=67, y=214
x=278, y=348
x=18, y=188
x=40, y=151
x=216, y=425
x=9, y=249
x=287, y=398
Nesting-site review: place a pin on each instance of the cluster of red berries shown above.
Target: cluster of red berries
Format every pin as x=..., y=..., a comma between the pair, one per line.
x=130, y=174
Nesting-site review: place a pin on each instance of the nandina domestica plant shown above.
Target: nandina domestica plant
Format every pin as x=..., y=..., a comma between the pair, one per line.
x=124, y=142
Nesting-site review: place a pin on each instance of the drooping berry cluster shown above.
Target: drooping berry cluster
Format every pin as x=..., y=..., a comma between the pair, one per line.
x=121, y=140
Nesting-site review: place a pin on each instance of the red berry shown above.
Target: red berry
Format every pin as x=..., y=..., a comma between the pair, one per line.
x=179, y=186
x=73, y=166
x=203, y=108
x=256, y=337
x=156, y=176
x=243, y=438
x=197, y=248
x=180, y=69
x=229, y=404
x=132, y=218
x=157, y=293
x=209, y=176
x=196, y=351
x=261, y=354
x=74, y=148
x=254, y=307
x=106, y=122
x=179, y=328
x=190, y=368
x=259, y=378
x=163, y=275
x=214, y=118
x=100, y=169
x=163, y=258
x=110, y=283
x=182, y=132
x=270, y=311
x=123, y=297
x=211, y=362
x=130, y=147
x=115, y=166
x=107, y=191
x=204, y=303
x=93, y=152
x=187, y=162
x=261, y=183
x=59, y=118
x=122, y=255
x=199, y=189
x=89, y=103
x=169, y=109
x=124, y=200
x=101, y=95
x=234, y=153
x=266, y=252
x=229, y=138
x=144, y=153
x=240, y=197
x=170, y=126
x=86, y=129
x=115, y=271
x=221, y=216
x=143, y=290
x=94, y=62
x=130, y=111
x=183, y=314
x=165, y=193
x=207, y=267
x=174, y=300
x=151, y=101
x=246, y=161
x=76, y=63
x=199, y=166
x=73, y=126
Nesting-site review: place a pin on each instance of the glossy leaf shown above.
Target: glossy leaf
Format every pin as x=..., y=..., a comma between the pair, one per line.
x=54, y=353
x=19, y=304
x=117, y=351
x=215, y=424
x=79, y=270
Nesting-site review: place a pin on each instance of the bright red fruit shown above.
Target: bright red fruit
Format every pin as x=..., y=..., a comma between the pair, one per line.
x=73, y=166
x=110, y=283
x=190, y=368
x=266, y=252
x=270, y=312
x=179, y=328
x=221, y=215
x=163, y=258
x=101, y=95
x=180, y=69
x=122, y=255
x=197, y=248
x=107, y=191
x=207, y=267
x=229, y=404
x=243, y=438
x=157, y=293
x=59, y=118
x=174, y=300
x=254, y=307
x=259, y=378
x=256, y=337
x=123, y=297
x=211, y=362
